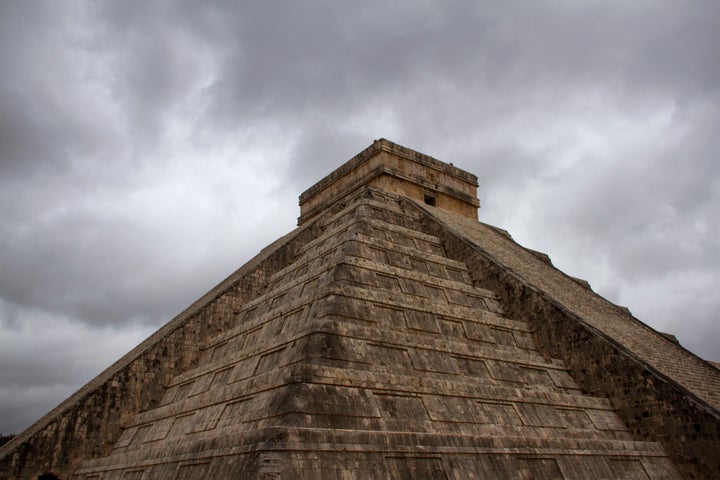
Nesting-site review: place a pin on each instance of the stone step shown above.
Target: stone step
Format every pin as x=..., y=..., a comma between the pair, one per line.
x=409, y=243
x=409, y=331
x=367, y=273
x=247, y=347
x=383, y=231
x=436, y=302
x=381, y=252
x=389, y=212
x=336, y=384
x=501, y=448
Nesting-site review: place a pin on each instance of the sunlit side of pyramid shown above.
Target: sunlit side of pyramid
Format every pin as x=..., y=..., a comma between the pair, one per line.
x=391, y=335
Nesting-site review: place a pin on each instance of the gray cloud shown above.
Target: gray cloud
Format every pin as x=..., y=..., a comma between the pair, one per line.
x=143, y=146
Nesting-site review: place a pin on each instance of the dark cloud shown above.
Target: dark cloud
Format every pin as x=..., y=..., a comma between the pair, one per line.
x=138, y=139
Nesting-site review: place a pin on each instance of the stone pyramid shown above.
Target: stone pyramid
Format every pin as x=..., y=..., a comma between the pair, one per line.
x=391, y=335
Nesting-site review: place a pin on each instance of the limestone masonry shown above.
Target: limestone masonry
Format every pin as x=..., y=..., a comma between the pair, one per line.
x=390, y=335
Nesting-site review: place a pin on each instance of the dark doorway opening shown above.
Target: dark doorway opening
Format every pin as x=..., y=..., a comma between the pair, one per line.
x=48, y=476
x=430, y=200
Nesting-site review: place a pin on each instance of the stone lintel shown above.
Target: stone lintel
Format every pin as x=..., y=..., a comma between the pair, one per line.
x=400, y=170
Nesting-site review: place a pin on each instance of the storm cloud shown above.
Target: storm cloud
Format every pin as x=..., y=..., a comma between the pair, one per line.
x=148, y=149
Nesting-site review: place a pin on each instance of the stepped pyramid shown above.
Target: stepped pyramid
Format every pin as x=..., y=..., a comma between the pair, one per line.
x=391, y=335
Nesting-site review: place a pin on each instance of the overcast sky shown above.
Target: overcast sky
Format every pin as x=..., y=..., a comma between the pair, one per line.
x=150, y=148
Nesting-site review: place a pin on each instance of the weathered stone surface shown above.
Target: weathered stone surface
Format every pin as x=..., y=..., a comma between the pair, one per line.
x=385, y=339
x=354, y=362
x=660, y=390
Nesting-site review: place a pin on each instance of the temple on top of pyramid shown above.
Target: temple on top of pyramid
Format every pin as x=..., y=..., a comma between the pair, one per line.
x=390, y=335
x=394, y=168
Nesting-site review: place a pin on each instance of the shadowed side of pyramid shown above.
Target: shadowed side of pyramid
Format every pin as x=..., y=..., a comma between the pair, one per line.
x=372, y=355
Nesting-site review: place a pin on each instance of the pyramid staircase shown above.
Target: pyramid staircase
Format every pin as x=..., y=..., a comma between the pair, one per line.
x=373, y=355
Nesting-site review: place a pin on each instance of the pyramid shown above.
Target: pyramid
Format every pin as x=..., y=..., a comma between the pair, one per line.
x=391, y=335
